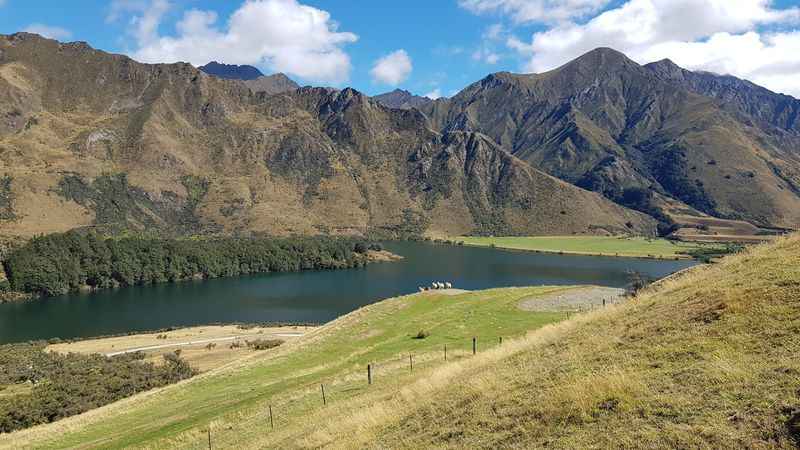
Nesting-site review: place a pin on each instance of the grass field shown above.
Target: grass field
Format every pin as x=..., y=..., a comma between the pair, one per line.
x=589, y=245
x=706, y=359
x=198, y=354
x=289, y=377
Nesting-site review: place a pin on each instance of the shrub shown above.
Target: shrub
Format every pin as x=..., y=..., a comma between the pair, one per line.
x=264, y=344
x=65, y=385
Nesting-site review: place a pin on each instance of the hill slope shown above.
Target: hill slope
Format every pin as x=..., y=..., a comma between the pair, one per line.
x=705, y=360
x=272, y=84
x=605, y=123
x=94, y=139
x=702, y=360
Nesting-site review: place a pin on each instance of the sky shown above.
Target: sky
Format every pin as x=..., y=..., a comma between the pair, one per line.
x=430, y=47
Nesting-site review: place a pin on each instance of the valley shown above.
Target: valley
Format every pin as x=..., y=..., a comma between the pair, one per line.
x=604, y=253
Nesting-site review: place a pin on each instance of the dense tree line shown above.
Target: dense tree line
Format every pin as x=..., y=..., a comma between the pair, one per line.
x=47, y=386
x=59, y=263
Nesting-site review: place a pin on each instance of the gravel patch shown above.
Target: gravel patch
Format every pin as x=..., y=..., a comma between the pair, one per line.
x=573, y=299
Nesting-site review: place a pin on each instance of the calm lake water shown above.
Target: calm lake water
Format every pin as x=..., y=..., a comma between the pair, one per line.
x=308, y=296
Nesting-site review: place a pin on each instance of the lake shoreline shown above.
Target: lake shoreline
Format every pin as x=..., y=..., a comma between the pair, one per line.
x=307, y=297
x=579, y=253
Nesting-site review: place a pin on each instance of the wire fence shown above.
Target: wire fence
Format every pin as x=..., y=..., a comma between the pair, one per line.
x=326, y=390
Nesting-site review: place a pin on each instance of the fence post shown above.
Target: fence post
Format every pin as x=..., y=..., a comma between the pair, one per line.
x=604, y=302
x=445, y=352
x=369, y=373
x=474, y=345
x=209, y=436
x=271, y=423
x=501, y=340
x=322, y=386
x=410, y=363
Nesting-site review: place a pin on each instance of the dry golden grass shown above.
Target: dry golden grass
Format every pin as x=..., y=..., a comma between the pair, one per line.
x=706, y=360
x=196, y=354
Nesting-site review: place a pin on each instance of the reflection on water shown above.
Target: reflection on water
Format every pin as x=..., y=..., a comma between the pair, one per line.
x=308, y=296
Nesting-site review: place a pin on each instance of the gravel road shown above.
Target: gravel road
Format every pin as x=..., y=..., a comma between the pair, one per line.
x=573, y=299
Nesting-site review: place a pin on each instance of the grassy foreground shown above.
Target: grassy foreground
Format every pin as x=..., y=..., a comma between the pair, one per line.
x=707, y=359
x=591, y=245
x=235, y=399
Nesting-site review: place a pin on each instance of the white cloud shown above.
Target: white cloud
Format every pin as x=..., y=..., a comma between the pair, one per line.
x=434, y=94
x=282, y=35
x=487, y=56
x=522, y=11
x=48, y=31
x=486, y=51
x=723, y=36
x=392, y=69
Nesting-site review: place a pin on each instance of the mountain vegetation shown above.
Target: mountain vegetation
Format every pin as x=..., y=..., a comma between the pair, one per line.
x=60, y=263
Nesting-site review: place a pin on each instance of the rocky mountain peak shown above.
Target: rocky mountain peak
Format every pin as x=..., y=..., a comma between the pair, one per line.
x=401, y=99
x=231, y=71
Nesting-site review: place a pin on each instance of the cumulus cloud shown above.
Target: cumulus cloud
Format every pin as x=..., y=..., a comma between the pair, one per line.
x=282, y=35
x=48, y=31
x=434, y=94
x=393, y=68
x=747, y=38
x=522, y=11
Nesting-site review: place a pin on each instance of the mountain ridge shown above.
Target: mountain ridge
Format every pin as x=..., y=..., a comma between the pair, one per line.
x=608, y=124
x=99, y=140
x=401, y=99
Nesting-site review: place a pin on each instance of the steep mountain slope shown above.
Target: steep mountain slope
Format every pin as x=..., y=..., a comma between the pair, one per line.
x=272, y=84
x=92, y=139
x=401, y=99
x=779, y=110
x=231, y=71
x=610, y=125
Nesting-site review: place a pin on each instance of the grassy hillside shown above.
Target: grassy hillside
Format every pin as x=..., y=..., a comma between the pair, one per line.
x=289, y=377
x=589, y=245
x=703, y=360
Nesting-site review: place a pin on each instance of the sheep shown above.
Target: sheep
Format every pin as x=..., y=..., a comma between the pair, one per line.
x=448, y=285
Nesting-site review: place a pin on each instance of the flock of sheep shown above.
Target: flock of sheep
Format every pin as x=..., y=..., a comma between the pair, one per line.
x=436, y=285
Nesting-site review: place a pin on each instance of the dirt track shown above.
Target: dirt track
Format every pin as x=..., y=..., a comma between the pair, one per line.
x=573, y=299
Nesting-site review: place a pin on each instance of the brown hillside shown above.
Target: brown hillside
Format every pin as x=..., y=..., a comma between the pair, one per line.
x=89, y=138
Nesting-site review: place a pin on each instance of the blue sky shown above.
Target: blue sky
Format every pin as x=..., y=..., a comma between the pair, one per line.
x=429, y=47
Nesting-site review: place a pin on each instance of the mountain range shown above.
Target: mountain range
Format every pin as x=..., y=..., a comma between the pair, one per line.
x=599, y=145
x=401, y=99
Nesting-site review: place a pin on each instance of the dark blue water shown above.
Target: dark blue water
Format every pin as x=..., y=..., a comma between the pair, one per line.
x=308, y=296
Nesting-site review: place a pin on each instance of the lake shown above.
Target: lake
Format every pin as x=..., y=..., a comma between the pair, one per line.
x=315, y=296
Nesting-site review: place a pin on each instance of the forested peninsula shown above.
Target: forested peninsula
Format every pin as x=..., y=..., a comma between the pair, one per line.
x=66, y=262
